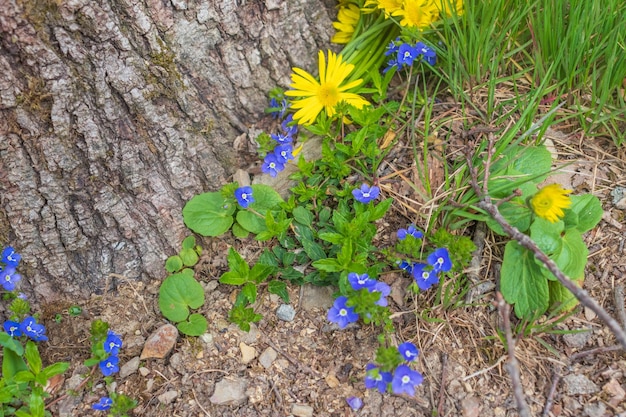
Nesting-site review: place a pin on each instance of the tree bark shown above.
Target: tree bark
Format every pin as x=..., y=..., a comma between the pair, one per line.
x=113, y=114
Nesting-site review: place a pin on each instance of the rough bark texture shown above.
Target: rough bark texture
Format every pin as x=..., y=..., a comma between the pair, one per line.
x=113, y=114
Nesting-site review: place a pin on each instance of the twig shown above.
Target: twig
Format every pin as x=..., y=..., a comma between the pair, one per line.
x=512, y=366
x=193, y=391
x=444, y=362
x=595, y=351
x=525, y=241
x=482, y=371
x=619, y=304
x=556, y=377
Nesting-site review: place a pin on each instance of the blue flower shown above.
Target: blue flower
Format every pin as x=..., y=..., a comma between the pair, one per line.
x=366, y=193
x=281, y=138
x=405, y=265
x=384, y=291
x=113, y=343
x=244, y=196
x=405, y=380
x=393, y=47
x=12, y=328
x=424, y=279
x=9, y=278
x=32, y=329
x=10, y=257
x=375, y=378
x=272, y=165
x=104, y=404
x=428, y=54
x=440, y=260
x=283, y=152
x=408, y=351
x=289, y=126
x=277, y=110
x=360, y=281
x=110, y=365
x=407, y=54
x=341, y=314
x=410, y=231
x=355, y=403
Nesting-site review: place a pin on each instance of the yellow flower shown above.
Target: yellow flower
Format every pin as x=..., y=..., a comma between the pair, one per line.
x=417, y=13
x=347, y=19
x=325, y=93
x=389, y=6
x=445, y=7
x=550, y=201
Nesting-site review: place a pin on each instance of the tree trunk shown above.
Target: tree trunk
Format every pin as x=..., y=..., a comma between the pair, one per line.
x=113, y=114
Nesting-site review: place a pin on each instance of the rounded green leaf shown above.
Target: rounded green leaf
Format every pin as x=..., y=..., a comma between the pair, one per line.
x=189, y=257
x=173, y=264
x=265, y=198
x=195, y=326
x=238, y=231
x=179, y=293
x=589, y=210
x=209, y=214
x=251, y=222
x=189, y=242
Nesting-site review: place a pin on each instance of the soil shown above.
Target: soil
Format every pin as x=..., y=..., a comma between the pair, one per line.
x=316, y=367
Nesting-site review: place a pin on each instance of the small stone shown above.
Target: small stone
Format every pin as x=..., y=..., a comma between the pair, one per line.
x=315, y=297
x=332, y=381
x=230, y=392
x=285, y=312
x=177, y=362
x=207, y=338
x=268, y=357
x=248, y=353
x=594, y=409
x=615, y=390
x=160, y=343
x=250, y=336
x=300, y=410
x=144, y=371
x=149, y=385
x=273, y=4
x=74, y=382
x=579, y=384
x=577, y=340
x=167, y=397
x=129, y=367
x=471, y=406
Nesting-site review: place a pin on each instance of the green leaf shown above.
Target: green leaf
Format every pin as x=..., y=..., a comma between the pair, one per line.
x=55, y=369
x=279, y=288
x=23, y=376
x=239, y=270
x=243, y=316
x=379, y=210
x=523, y=283
x=209, y=214
x=313, y=249
x=196, y=325
x=589, y=211
x=328, y=265
x=251, y=222
x=239, y=232
x=303, y=216
x=265, y=198
x=36, y=405
x=189, y=242
x=561, y=297
x=516, y=213
x=547, y=235
x=10, y=343
x=189, y=257
x=260, y=272
x=91, y=362
x=173, y=264
x=532, y=160
x=179, y=293
x=334, y=238
x=12, y=363
x=32, y=357
x=572, y=256
x=8, y=394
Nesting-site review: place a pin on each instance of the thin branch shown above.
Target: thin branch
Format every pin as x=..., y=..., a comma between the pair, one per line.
x=512, y=366
x=619, y=304
x=556, y=377
x=442, y=390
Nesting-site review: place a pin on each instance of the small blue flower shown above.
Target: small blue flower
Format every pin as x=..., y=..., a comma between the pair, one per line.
x=104, y=404
x=428, y=54
x=110, y=365
x=366, y=193
x=440, y=260
x=360, y=281
x=355, y=403
x=12, y=328
x=281, y=138
x=407, y=54
x=424, y=279
x=272, y=165
x=113, y=343
x=277, y=110
x=10, y=257
x=408, y=351
x=410, y=231
x=32, y=329
x=393, y=47
x=244, y=196
x=384, y=291
x=341, y=314
x=405, y=265
x=9, y=278
x=405, y=380
x=283, y=152
x=289, y=126
x=375, y=378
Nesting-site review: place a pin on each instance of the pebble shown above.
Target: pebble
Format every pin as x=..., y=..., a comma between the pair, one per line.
x=286, y=312
x=316, y=298
x=207, y=339
x=579, y=384
x=251, y=336
x=160, y=342
x=268, y=357
x=230, y=392
x=577, y=340
x=471, y=406
x=129, y=367
x=177, y=362
x=144, y=371
x=248, y=353
x=167, y=397
x=300, y=410
x=594, y=410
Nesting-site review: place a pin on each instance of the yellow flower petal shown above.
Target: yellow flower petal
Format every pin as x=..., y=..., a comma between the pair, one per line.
x=549, y=202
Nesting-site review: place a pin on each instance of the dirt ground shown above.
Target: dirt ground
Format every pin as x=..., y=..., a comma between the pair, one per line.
x=305, y=367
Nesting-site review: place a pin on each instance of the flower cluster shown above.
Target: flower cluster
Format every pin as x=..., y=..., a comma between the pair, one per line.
x=402, y=380
x=10, y=260
x=416, y=13
x=404, y=54
x=28, y=327
x=344, y=314
x=275, y=161
x=112, y=345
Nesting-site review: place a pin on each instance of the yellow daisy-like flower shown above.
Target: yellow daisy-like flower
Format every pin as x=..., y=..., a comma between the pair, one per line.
x=417, y=13
x=347, y=19
x=325, y=93
x=446, y=7
x=550, y=201
x=388, y=6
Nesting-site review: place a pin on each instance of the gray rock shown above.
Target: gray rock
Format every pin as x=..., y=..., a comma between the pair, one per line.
x=577, y=340
x=268, y=357
x=167, y=397
x=129, y=367
x=579, y=384
x=594, y=410
x=177, y=362
x=285, y=312
x=230, y=392
x=300, y=410
x=316, y=298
